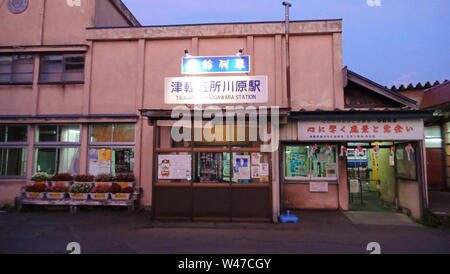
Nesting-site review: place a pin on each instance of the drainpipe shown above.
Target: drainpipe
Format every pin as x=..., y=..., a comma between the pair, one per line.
x=287, y=5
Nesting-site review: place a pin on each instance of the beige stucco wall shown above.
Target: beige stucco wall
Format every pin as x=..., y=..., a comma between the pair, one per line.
x=106, y=15
x=386, y=175
x=408, y=196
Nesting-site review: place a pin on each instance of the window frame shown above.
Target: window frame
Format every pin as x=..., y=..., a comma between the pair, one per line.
x=57, y=145
x=63, y=73
x=22, y=145
x=309, y=178
x=110, y=145
x=13, y=66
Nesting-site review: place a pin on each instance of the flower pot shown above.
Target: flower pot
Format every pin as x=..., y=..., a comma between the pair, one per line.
x=39, y=183
x=35, y=195
x=120, y=196
x=55, y=195
x=103, y=183
x=99, y=196
x=125, y=184
x=79, y=196
x=61, y=183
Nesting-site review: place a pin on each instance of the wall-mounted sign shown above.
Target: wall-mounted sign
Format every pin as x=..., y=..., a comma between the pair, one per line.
x=360, y=130
x=318, y=187
x=215, y=64
x=174, y=167
x=216, y=90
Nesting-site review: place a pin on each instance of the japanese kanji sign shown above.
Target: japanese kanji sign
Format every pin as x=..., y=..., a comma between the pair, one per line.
x=215, y=64
x=216, y=90
x=361, y=130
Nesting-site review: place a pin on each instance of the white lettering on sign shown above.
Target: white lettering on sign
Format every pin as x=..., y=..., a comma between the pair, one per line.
x=361, y=130
x=73, y=3
x=216, y=90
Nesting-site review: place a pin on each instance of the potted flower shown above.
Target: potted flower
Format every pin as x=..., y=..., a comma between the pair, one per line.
x=36, y=191
x=80, y=190
x=62, y=179
x=84, y=178
x=103, y=179
x=124, y=179
x=57, y=192
x=100, y=192
x=40, y=178
x=120, y=193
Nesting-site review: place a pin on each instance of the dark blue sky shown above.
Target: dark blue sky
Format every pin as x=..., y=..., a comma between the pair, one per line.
x=399, y=42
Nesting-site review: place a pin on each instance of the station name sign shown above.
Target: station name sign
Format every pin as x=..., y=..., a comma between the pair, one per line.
x=216, y=90
x=373, y=130
x=215, y=64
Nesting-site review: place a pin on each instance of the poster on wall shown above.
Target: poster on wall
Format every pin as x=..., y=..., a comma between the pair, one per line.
x=264, y=169
x=256, y=158
x=99, y=161
x=354, y=186
x=241, y=167
x=175, y=167
x=255, y=172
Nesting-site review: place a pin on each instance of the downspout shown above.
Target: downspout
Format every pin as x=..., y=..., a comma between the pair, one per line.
x=287, y=5
x=41, y=35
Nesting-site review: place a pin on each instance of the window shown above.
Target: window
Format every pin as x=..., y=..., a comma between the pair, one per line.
x=16, y=69
x=304, y=163
x=13, y=150
x=111, y=148
x=112, y=133
x=57, y=149
x=62, y=68
x=433, y=137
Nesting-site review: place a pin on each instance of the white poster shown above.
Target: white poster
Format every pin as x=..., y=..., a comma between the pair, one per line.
x=255, y=172
x=174, y=167
x=354, y=186
x=256, y=158
x=318, y=187
x=216, y=90
x=241, y=167
x=99, y=161
x=408, y=129
x=264, y=169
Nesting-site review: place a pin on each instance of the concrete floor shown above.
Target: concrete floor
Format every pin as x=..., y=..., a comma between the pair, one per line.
x=120, y=232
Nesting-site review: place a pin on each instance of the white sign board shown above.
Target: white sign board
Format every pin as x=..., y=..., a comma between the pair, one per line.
x=354, y=186
x=318, y=187
x=216, y=90
x=174, y=167
x=360, y=130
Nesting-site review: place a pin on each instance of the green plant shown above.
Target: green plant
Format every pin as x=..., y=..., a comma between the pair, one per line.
x=36, y=188
x=124, y=177
x=84, y=178
x=80, y=187
x=40, y=177
x=62, y=177
x=57, y=189
x=103, y=177
x=429, y=219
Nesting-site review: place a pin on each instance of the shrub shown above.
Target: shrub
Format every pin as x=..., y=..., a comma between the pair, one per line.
x=80, y=187
x=124, y=177
x=84, y=178
x=116, y=188
x=103, y=177
x=36, y=188
x=58, y=189
x=62, y=177
x=101, y=189
x=40, y=177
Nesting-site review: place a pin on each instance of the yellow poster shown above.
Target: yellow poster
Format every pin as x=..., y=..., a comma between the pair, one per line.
x=374, y=165
x=104, y=155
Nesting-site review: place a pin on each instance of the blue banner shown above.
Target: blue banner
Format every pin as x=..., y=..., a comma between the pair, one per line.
x=216, y=64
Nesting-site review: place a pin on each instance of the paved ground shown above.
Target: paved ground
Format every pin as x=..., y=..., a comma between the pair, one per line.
x=120, y=232
x=440, y=202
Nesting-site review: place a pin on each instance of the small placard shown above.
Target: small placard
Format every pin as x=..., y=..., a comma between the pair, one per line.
x=318, y=187
x=354, y=186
